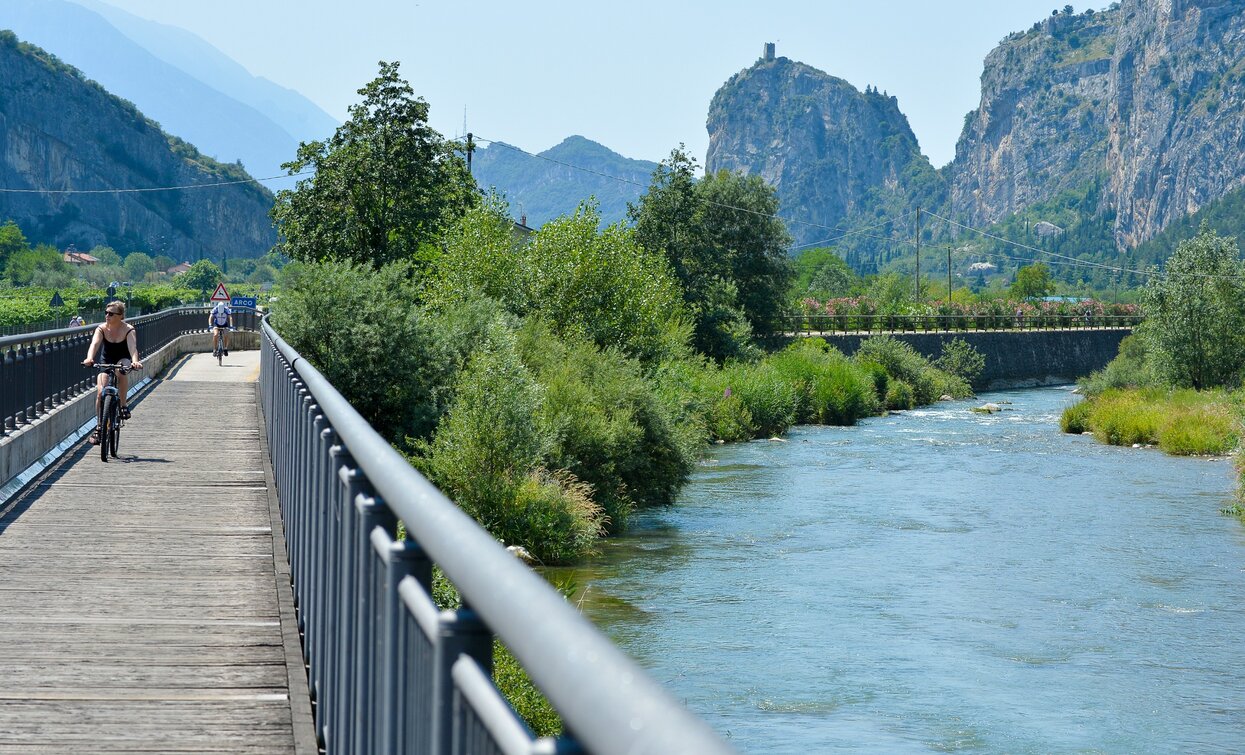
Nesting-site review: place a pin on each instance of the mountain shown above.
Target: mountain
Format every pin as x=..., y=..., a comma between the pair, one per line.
x=1111, y=125
x=216, y=122
x=834, y=154
x=60, y=132
x=295, y=114
x=544, y=187
x=1146, y=98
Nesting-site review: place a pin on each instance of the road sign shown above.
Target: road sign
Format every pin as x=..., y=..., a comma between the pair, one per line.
x=242, y=301
x=57, y=301
x=220, y=294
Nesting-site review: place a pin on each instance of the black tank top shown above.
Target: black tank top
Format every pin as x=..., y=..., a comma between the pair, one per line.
x=114, y=352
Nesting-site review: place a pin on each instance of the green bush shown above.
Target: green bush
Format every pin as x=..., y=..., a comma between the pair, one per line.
x=899, y=395
x=729, y=420
x=1131, y=368
x=612, y=428
x=771, y=400
x=960, y=359
x=1075, y=419
x=830, y=388
x=902, y=362
x=370, y=341
x=488, y=454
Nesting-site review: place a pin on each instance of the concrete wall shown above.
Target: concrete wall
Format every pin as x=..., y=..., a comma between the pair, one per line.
x=1018, y=359
x=31, y=442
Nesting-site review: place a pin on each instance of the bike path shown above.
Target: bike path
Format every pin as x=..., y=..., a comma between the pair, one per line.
x=144, y=602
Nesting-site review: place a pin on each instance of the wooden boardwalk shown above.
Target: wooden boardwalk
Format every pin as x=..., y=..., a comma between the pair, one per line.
x=144, y=603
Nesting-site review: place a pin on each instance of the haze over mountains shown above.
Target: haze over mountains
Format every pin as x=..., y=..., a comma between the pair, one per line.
x=1109, y=127
x=175, y=78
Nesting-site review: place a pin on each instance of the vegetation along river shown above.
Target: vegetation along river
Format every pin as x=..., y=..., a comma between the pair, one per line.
x=940, y=580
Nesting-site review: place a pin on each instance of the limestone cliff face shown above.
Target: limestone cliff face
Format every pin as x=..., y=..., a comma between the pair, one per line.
x=1176, y=115
x=61, y=132
x=1041, y=125
x=1145, y=97
x=831, y=151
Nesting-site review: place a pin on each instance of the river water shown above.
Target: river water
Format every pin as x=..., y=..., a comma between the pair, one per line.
x=942, y=581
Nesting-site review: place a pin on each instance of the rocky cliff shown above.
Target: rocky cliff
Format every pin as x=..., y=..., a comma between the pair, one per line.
x=1145, y=97
x=1128, y=118
x=833, y=153
x=79, y=145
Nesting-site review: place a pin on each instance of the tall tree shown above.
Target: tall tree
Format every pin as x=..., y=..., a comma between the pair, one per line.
x=725, y=246
x=12, y=241
x=382, y=188
x=1196, y=313
x=1032, y=281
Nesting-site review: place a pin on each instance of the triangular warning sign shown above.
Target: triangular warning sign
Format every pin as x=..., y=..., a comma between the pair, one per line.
x=221, y=294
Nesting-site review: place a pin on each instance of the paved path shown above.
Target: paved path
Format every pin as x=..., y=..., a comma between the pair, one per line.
x=144, y=605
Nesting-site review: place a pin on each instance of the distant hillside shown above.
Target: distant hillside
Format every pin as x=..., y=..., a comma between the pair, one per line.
x=220, y=125
x=298, y=116
x=543, y=189
x=61, y=132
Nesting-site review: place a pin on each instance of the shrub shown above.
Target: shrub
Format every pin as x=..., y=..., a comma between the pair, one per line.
x=1122, y=418
x=1131, y=368
x=902, y=362
x=550, y=513
x=829, y=388
x=1197, y=424
x=960, y=359
x=611, y=428
x=899, y=395
x=1075, y=419
x=770, y=400
x=370, y=341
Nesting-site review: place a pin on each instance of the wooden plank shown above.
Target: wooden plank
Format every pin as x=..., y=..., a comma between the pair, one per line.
x=139, y=603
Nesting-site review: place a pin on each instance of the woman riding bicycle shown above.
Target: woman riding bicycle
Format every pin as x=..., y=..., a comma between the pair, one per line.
x=120, y=346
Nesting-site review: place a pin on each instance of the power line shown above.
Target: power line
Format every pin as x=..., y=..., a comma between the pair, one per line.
x=1073, y=261
x=153, y=188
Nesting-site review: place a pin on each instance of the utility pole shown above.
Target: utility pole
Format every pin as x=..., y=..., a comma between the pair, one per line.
x=948, y=273
x=918, y=254
x=470, y=148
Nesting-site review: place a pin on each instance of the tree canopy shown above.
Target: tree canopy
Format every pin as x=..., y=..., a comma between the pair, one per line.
x=1196, y=313
x=725, y=245
x=1033, y=281
x=382, y=188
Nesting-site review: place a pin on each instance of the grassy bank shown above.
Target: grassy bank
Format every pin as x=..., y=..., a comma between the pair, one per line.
x=1181, y=422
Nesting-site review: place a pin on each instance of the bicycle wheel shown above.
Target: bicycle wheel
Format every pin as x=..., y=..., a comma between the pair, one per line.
x=107, y=411
x=114, y=431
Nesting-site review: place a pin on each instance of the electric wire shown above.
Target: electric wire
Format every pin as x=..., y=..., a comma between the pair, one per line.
x=211, y=185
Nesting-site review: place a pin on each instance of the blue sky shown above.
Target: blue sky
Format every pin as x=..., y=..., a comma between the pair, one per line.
x=637, y=77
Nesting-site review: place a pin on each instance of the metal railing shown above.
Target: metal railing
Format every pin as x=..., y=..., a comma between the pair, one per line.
x=94, y=316
x=41, y=371
x=848, y=324
x=389, y=671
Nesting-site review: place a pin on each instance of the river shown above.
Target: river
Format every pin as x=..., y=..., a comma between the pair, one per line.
x=941, y=581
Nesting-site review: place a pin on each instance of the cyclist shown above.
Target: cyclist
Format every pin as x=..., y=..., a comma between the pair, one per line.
x=119, y=344
x=221, y=316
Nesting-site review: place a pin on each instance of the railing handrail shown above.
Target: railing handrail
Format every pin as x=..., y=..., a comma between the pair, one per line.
x=43, y=335
x=896, y=323
x=609, y=703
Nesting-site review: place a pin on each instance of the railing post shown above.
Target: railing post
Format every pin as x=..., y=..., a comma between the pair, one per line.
x=373, y=515
x=402, y=559
x=459, y=633
x=340, y=659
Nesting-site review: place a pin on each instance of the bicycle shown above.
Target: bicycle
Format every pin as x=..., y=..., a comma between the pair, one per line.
x=219, y=351
x=108, y=429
